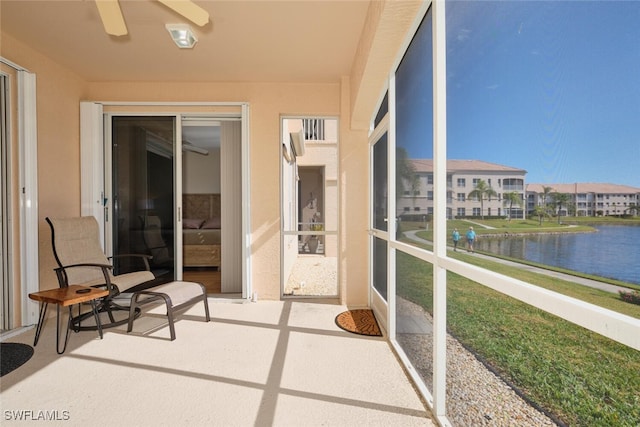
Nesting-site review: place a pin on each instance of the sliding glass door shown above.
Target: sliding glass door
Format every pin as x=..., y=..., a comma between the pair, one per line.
x=174, y=190
x=149, y=173
x=143, y=153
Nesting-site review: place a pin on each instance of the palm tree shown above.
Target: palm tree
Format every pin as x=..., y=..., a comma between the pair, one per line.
x=633, y=209
x=480, y=191
x=560, y=200
x=544, y=196
x=541, y=212
x=512, y=198
x=406, y=173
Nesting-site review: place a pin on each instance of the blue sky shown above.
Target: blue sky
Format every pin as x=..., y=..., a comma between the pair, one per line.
x=547, y=86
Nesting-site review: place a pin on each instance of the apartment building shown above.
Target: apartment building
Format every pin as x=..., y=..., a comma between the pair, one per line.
x=586, y=199
x=463, y=177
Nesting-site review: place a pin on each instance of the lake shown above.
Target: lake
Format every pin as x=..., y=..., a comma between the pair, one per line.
x=613, y=251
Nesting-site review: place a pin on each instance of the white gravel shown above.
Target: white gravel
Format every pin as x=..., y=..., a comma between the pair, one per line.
x=475, y=395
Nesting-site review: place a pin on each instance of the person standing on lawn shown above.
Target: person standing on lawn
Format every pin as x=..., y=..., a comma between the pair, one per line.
x=456, y=238
x=471, y=236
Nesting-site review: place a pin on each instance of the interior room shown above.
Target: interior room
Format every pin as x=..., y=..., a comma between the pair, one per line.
x=201, y=205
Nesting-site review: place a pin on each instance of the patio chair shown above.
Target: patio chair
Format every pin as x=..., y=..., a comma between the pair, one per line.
x=81, y=261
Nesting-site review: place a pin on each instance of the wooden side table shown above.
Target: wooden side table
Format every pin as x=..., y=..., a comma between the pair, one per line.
x=66, y=297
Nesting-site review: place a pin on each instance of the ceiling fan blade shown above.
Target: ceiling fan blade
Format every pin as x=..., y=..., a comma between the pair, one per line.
x=189, y=10
x=111, y=16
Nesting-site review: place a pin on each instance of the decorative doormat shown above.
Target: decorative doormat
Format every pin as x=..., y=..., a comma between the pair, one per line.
x=13, y=355
x=361, y=322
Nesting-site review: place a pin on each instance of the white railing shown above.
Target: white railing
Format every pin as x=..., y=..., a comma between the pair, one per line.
x=313, y=129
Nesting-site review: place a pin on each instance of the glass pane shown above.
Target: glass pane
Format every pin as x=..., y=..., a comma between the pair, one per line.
x=414, y=138
x=414, y=200
x=536, y=91
x=380, y=266
x=143, y=197
x=380, y=184
x=310, y=206
x=414, y=310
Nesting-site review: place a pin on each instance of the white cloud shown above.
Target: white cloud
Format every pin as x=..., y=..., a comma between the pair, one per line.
x=463, y=34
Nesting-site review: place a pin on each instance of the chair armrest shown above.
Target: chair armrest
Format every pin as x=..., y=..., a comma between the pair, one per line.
x=63, y=280
x=107, y=266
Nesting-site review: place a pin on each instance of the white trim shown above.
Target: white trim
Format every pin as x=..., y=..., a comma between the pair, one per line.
x=12, y=64
x=392, y=222
x=28, y=143
x=177, y=194
x=107, y=173
x=91, y=161
x=175, y=104
x=247, y=283
x=439, y=67
x=15, y=332
x=613, y=325
x=378, y=304
x=7, y=191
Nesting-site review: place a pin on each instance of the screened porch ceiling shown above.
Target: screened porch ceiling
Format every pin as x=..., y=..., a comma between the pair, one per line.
x=244, y=41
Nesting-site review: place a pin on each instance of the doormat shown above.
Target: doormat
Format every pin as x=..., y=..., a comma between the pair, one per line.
x=362, y=322
x=13, y=355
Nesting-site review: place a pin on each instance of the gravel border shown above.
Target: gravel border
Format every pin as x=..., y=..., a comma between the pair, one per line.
x=476, y=395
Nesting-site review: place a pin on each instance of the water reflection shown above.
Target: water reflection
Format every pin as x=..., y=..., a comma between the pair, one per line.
x=613, y=251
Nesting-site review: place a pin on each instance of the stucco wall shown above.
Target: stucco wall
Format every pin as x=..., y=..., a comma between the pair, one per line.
x=58, y=95
x=268, y=101
x=60, y=90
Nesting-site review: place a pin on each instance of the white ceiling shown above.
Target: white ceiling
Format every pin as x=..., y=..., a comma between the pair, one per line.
x=257, y=41
x=202, y=136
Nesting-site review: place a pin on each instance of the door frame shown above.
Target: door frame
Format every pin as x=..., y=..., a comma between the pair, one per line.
x=94, y=151
x=289, y=218
x=21, y=259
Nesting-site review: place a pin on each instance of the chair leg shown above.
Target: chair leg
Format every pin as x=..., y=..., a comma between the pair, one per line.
x=96, y=315
x=132, y=312
x=206, y=307
x=172, y=329
x=107, y=306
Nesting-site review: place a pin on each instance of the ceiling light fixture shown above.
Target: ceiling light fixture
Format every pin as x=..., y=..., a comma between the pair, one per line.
x=182, y=35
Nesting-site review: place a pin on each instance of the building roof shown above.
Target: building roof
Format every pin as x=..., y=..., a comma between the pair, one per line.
x=426, y=165
x=584, y=187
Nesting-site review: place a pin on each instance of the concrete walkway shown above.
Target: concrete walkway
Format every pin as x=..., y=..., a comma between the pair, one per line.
x=568, y=277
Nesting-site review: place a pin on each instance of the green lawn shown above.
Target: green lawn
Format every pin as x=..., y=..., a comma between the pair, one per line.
x=579, y=376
